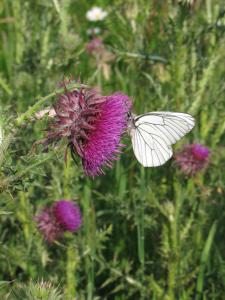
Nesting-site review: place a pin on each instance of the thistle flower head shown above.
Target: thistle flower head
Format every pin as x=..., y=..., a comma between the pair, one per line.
x=61, y=216
x=200, y=152
x=92, y=124
x=48, y=226
x=192, y=158
x=68, y=215
x=36, y=290
x=76, y=111
x=103, y=144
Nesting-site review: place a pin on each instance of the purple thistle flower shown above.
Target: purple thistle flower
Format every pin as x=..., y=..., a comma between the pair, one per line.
x=75, y=113
x=61, y=216
x=192, y=159
x=103, y=144
x=68, y=215
x=47, y=225
x=200, y=152
x=92, y=124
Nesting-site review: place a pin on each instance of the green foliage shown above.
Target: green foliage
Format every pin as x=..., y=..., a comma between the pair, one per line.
x=147, y=233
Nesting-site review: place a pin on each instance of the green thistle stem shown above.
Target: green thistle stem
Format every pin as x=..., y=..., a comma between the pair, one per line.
x=71, y=269
x=4, y=146
x=141, y=231
x=72, y=253
x=89, y=233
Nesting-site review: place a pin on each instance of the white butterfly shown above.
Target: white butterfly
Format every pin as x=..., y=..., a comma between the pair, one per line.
x=153, y=133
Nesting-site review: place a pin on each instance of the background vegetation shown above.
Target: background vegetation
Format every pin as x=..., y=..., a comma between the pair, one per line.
x=147, y=233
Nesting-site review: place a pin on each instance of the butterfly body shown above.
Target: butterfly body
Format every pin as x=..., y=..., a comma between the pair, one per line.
x=154, y=133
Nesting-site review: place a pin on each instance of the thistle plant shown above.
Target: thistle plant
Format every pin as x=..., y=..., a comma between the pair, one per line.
x=192, y=159
x=146, y=233
x=92, y=124
x=62, y=216
x=40, y=290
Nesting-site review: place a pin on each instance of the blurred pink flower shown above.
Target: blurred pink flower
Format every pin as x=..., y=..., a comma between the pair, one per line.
x=68, y=215
x=192, y=159
x=61, y=216
x=103, y=57
x=95, y=46
x=48, y=225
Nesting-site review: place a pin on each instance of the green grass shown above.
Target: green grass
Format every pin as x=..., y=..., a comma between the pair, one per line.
x=147, y=233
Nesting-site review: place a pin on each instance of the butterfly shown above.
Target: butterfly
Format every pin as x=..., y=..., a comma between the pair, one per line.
x=154, y=133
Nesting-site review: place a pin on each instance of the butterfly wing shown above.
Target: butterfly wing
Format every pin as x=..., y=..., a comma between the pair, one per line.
x=152, y=135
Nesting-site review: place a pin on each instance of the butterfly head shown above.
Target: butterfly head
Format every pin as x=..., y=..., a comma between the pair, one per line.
x=130, y=121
